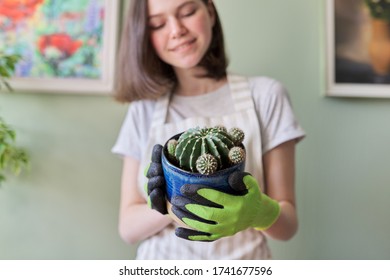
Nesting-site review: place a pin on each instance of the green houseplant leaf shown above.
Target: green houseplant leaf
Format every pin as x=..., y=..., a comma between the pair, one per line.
x=12, y=158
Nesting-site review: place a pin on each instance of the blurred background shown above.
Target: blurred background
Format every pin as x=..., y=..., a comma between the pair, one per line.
x=66, y=205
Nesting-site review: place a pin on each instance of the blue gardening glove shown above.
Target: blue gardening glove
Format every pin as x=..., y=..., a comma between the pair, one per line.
x=155, y=186
x=213, y=214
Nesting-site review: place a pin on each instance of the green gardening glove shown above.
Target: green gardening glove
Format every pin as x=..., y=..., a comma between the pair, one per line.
x=213, y=214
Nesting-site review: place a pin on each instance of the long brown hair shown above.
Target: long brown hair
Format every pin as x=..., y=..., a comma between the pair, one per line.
x=141, y=74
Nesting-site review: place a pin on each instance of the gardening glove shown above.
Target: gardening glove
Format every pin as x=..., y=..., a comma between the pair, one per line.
x=155, y=187
x=213, y=214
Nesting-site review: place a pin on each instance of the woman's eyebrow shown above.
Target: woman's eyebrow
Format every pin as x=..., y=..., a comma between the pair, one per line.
x=177, y=9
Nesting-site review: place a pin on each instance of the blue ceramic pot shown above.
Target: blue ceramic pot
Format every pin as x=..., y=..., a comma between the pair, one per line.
x=176, y=177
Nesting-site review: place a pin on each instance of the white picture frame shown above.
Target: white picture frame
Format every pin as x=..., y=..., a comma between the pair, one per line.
x=105, y=20
x=337, y=82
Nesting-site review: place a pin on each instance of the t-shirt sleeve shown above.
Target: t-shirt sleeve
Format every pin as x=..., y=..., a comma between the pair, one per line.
x=128, y=138
x=134, y=130
x=277, y=120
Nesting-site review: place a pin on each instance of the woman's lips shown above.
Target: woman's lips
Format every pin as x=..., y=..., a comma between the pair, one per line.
x=183, y=46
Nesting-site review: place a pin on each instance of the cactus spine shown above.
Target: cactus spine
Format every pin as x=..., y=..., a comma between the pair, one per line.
x=215, y=142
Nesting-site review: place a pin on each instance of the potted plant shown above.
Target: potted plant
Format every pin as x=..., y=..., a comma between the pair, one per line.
x=204, y=156
x=12, y=158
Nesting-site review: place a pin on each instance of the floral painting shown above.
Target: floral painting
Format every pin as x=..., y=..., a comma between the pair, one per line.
x=56, y=38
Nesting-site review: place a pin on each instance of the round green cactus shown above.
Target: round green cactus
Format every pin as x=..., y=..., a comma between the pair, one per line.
x=171, y=147
x=221, y=128
x=197, y=141
x=194, y=142
x=206, y=164
x=236, y=155
x=237, y=135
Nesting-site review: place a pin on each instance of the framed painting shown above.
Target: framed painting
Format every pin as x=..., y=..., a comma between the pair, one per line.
x=66, y=46
x=358, y=48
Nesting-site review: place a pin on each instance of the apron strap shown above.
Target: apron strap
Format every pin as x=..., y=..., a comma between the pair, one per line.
x=241, y=93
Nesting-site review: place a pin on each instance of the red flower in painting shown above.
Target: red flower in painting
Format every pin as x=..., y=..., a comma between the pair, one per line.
x=60, y=41
x=18, y=10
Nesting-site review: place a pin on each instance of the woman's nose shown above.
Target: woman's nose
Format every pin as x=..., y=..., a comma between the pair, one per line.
x=177, y=28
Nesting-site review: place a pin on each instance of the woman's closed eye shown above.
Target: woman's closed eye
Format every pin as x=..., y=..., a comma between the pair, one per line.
x=156, y=24
x=188, y=12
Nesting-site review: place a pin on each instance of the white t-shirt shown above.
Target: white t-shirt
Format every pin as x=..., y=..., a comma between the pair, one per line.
x=277, y=123
x=272, y=104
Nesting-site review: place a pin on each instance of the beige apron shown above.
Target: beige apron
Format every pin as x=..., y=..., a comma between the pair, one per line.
x=244, y=117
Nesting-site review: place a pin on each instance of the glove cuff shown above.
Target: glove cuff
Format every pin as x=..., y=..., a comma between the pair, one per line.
x=268, y=213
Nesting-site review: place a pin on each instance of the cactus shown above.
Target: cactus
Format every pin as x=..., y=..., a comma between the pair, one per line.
x=215, y=141
x=236, y=155
x=171, y=147
x=220, y=128
x=206, y=164
x=237, y=135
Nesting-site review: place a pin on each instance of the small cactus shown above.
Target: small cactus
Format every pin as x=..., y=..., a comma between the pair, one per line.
x=220, y=128
x=171, y=147
x=236, y=155
x=206, y=164
x=237, y=135
x=195, y=142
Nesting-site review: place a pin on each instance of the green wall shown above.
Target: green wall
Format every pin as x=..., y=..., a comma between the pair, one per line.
x=66, y=206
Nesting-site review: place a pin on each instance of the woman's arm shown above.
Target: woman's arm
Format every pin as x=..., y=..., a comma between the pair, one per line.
x=136, y=220
x=279, y=175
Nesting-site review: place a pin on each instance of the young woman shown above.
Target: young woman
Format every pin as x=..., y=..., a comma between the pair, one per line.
x=172, y=68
